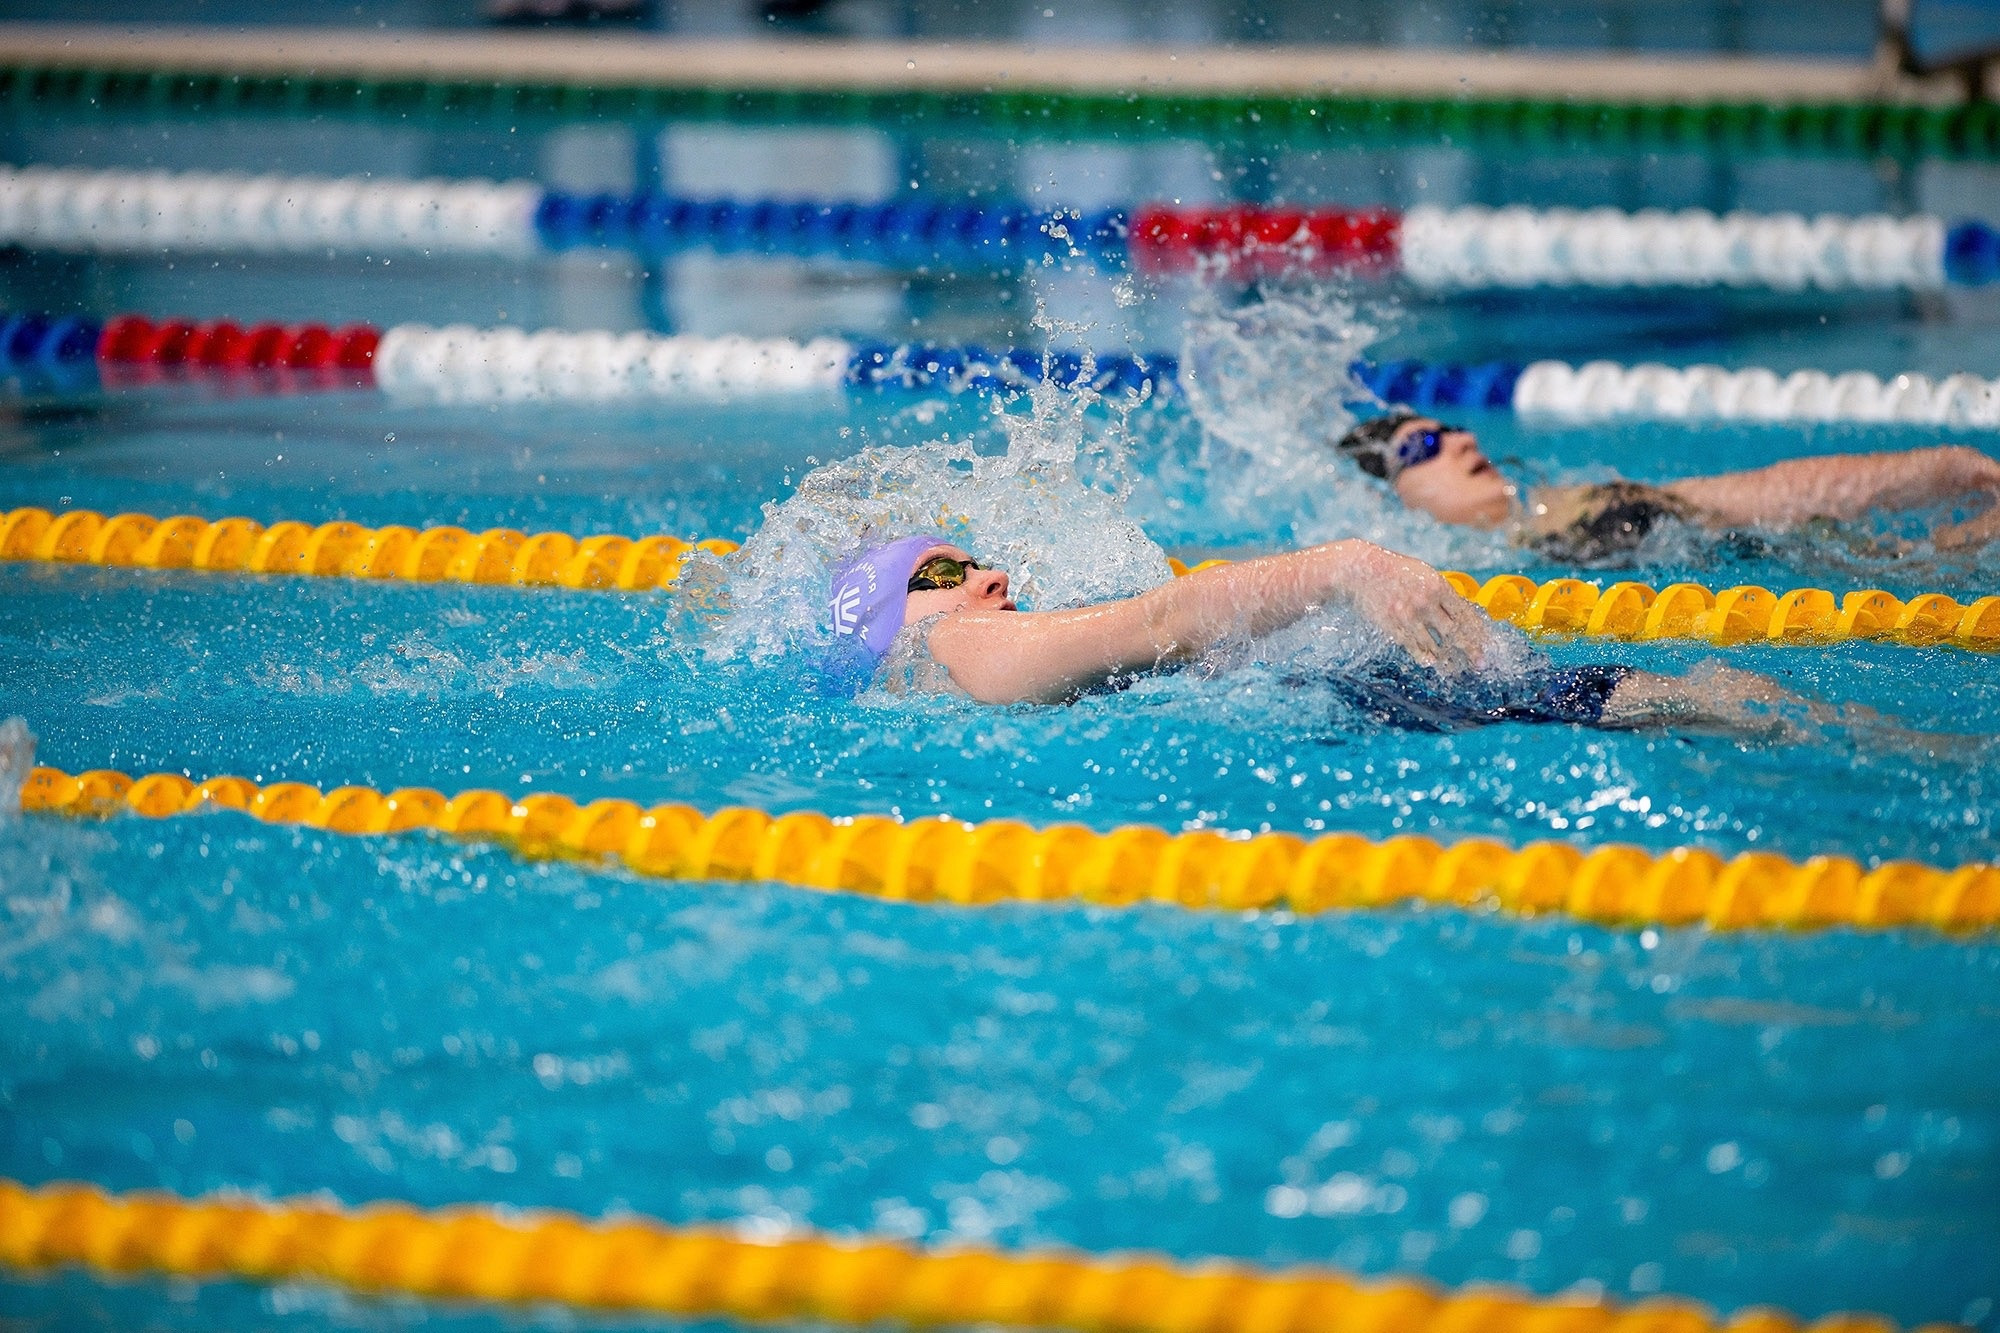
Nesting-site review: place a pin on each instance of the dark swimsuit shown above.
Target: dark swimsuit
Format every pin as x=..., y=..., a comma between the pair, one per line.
x=1617, y=516
x=1397, y=696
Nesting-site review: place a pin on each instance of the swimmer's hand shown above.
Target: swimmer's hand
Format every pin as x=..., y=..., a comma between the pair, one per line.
x=1728, y=701
x=1971, y=534
x=1712, y=698
x=1412, y=604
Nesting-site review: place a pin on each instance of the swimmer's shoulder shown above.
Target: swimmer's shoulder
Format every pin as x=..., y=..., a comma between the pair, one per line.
x=1551, y=513
x=1553, y=508
x=909, y=667
x=1598, y=520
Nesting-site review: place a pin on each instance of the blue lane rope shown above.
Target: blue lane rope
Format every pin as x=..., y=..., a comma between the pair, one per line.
x=462, y=364
x=1421, y=384
x=39, y=342
x=917, y=231
x=1488, y=384
x=920, y=366
x=654, y=223
x=1972, y=254
x=1434, y=248
x=46, y=355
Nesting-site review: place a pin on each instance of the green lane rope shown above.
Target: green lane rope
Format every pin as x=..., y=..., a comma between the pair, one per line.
x=1969, y=131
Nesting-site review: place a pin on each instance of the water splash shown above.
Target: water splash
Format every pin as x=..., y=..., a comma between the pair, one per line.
x=1051, y=510
x=1274, y=374
x=1270, y=381
x=17, y=760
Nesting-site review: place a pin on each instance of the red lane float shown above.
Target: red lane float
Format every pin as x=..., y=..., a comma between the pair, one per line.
x=133, y=343
x=1253, y=240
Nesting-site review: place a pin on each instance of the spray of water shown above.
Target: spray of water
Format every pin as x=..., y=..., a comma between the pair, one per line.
x=1271, y=373
x=17, y=760
x=1271, y=384
x=1050, y=510
x=1270, y=381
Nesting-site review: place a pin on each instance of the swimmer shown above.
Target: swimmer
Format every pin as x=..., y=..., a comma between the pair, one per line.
x=1440, y=469
x=921, y=614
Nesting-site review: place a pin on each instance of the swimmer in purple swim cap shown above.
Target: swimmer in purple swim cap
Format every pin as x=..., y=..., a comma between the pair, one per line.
x=872, y=594
x=920, y=614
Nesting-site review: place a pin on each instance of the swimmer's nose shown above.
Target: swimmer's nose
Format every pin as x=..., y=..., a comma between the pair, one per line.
x=989, y=585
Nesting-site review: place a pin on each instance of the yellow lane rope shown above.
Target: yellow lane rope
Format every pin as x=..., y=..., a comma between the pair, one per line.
x=944, y=860
x=502, y=555
x=242, y=545
x=487, y=1254
x=1743, y=614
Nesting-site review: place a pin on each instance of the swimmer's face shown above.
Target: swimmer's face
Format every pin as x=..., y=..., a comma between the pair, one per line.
x=983, y=590
x=1460, y=485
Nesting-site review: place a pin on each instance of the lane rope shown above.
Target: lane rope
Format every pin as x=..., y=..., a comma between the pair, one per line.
x=75, y=83
x=1469, y=248
x=1746, y=613
x=243, y=545
x=1004, y=860
x=461, y=363
x=505, y=1255
x=464, y=364
x=74, y=208
x=1606, y=391
x=1625, y=610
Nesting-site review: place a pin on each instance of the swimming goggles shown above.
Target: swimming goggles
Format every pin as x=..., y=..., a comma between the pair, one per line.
x=1421, y=446
x=941, y=571
x=1374, y=448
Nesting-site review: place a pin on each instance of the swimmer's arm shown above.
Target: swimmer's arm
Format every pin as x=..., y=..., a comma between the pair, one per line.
x=1840, y=486
x=1047, y=656
x=1714, y=698
x=1976, y=531
x=1729, y=701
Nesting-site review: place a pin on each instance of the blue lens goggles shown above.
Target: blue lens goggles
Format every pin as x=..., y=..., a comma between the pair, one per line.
x=1421, y=446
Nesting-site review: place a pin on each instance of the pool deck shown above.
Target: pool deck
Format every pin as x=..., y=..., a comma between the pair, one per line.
x=647, y=59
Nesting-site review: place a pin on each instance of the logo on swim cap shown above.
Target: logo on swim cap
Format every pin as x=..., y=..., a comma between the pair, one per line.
x=847, y=606
x=869, y=593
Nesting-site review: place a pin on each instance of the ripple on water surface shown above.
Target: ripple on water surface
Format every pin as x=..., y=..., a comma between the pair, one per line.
x=1808, y=1120
x=337, y=681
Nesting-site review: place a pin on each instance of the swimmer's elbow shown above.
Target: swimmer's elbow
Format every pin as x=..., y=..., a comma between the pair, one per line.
x=1972, y=469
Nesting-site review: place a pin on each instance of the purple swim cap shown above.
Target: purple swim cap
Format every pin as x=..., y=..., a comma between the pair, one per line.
x=869, y=594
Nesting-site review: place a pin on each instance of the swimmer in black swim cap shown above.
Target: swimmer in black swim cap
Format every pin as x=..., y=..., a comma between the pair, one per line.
x=1441, y=470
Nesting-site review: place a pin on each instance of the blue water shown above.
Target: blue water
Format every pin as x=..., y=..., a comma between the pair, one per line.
x=590, y=694
x=1804, y=1120
x=1808, y=1121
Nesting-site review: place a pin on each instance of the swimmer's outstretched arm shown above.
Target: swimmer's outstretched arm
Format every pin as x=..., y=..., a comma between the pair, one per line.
x=1047, y=656
x=1729, y=701
x=1840, y=486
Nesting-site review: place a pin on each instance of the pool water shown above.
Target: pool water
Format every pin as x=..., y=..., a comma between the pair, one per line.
x=1804, y=1120
x=1801, y=1120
